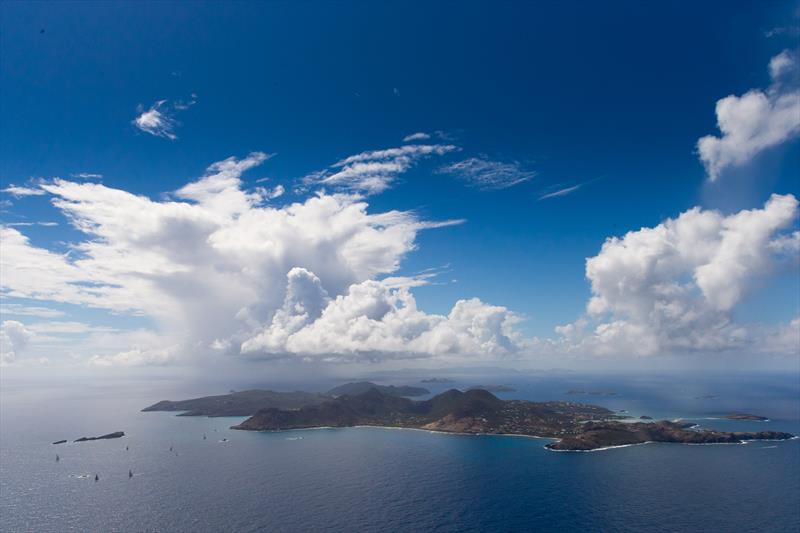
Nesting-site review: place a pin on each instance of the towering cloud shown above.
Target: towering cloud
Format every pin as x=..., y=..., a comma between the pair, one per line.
x=218, y=270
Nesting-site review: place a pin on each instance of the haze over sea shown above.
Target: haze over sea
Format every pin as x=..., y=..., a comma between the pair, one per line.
x=372, y=479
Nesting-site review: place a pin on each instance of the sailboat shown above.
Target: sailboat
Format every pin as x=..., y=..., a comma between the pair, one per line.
x=130, y=473
x=96, y=477
x=58, y=458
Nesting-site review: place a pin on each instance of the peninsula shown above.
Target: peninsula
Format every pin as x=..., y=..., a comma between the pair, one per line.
x=249, y=402
x=243, y=403
x=579, y=427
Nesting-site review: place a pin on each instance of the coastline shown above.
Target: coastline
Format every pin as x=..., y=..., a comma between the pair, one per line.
x=436, y=431
x=518, y=435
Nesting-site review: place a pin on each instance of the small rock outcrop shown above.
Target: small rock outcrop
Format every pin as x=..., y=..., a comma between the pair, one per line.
x=115, y=435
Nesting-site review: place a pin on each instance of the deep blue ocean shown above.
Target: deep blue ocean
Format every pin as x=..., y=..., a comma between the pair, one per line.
x=370, y=479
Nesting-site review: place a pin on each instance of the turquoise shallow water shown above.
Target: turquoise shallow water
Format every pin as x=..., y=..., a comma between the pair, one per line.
x=371, y=479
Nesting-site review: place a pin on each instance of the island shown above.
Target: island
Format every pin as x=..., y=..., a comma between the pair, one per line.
x=745, y=416
x=363, y=386
x=574, y=392
x=115, y=435
x=578, y=427
x=494, y=388
x=60, y=441
x=645, y=417
x=437, y=380
x=243, y=403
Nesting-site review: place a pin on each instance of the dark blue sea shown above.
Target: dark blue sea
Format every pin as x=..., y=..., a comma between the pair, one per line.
x=371, y=479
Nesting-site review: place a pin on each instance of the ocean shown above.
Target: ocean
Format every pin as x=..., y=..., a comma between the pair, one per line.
x=374, y=479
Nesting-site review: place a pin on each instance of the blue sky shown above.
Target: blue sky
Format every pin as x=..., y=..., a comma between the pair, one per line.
x=607, y=99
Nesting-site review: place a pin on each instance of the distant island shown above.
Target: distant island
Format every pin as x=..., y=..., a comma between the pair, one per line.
x=580, y=427
x=745, y=416
x=363, y=386
x=494, y=388
x=575, y=392
x=437, y=380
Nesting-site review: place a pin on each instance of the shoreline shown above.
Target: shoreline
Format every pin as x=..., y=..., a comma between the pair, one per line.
x=436, y=431
x=520, y=435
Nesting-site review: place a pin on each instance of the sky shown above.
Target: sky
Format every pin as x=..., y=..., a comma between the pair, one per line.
x=571, y=184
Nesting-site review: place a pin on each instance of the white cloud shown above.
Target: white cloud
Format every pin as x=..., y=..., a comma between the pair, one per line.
x=14, y=338
x=167, y=260
x=673, y=288
x=271, y=194
x=485, y=174
x=216, y=271
x=159, y=120
x=419, y=136
x=137, y=357
x=87, y=176
x=374, y=171
x=24, y=224
x=561, y=192
x=18, y=191
x=26, y=310
x=56, y=327
x=374, y=321
x=755, y=121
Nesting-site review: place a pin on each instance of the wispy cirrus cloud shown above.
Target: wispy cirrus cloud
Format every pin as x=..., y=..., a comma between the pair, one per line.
x=87, y=176
x=419, y=136
x=558, y=190
x=561, y=192
x=44, y=224
x=18, y=191
x=27, y=310
x=159, y=120
x=372, y=172
x=486, y=174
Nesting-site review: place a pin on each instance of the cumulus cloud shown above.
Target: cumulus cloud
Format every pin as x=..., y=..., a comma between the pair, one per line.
x=210, y=265
x=14, y=336
x=373, y=320
x=673, y=288
x=374, y=171
x=755, y=121
x=159, y=120
x=485, y=174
